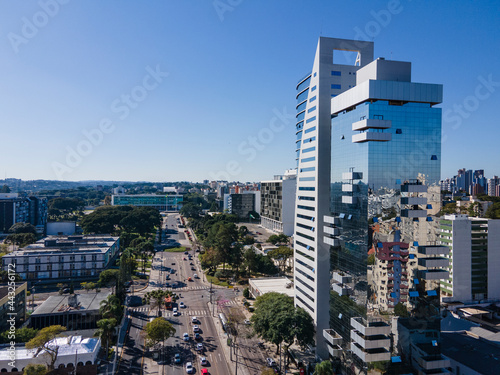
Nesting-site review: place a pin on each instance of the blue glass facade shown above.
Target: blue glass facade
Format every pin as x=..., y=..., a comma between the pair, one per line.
x=302, y=96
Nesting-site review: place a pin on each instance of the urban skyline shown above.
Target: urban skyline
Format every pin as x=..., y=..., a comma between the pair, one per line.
x=150, y=97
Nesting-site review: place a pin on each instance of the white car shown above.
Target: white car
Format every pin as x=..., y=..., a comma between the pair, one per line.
x=189, y=368
x=182, y=305
x=203, y=361
x=195, y=276
x=194, y=319
x=185, y=336
x=199, y=347
x=196, y=329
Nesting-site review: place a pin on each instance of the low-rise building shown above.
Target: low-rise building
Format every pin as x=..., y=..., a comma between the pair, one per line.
x=169, y=202
x=75, y=311
x=74, y=351
x=64, y=258
x=258, y=287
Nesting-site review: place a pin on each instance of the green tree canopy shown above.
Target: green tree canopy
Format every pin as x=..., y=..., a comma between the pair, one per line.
x=22, y=228
x=42, y=343
x=323, y=368
x=111, y=308
x=158, y=331
x=282, y=254
x=190, y=210
x=278, y=239
x=493, y=212
x=106, y=328
x=21, y=239
x=35, y=369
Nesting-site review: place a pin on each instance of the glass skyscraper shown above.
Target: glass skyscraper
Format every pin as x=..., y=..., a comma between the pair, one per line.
x=365, y=252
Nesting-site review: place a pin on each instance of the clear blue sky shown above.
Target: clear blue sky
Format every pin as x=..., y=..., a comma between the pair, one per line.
x=224, y=69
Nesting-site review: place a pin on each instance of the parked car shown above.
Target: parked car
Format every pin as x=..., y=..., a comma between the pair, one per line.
x=270, y=362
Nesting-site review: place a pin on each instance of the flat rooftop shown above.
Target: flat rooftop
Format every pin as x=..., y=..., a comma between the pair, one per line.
x=478, y=355
x=273, y=284
x=4, y=289
x=59, y=304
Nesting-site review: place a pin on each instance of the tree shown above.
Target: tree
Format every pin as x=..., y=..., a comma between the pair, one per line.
x=5, y=189
x=493, y=211
x=106, y=327
x=246, y=293
x=323, y=368
x=111, y=276
x=278, y=238
x=282, y=254
x=400, y=310
x=157, y=298
x=23, y=334
x=242, y=231
x=22, y=228
x=111, y=308
x=214, y=207
x=21, y=239
x=42, y=342
x=35, y=369
x=190, y=210
x=158, y=331
x=88, y=286
x=277, y=320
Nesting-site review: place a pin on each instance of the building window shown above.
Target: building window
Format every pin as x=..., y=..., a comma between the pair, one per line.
x=312, y=99
x=308, y=159
x=308, y=149
x=434, y=157
x=336, y=73
x=336, y=86
x=306, y=179
x=311, y=109
x=309, y=169
x=399, y=131
x=313, y=88
x=311, y=129
x=378, y=117
x=310, y=119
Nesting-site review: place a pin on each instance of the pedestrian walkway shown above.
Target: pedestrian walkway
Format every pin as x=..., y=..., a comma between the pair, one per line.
x=169, y=313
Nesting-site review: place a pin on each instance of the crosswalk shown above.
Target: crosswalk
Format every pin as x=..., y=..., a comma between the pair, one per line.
x=169, y=313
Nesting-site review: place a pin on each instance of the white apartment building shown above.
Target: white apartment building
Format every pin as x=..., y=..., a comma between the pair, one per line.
x=63, y=258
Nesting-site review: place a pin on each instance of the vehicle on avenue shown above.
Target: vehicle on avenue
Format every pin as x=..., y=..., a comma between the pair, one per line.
x=182, y=305
x=246, y=321
x=195, y=276
x=185, y=336
x=196, y=329
x=177, y=358
x=193, y=269
x=203, y=361
x=194, y=319
x=189, y=368
x=190, y=279
x=270, y=362
x=185, y=252
x=197, y=336
x=199, y=347
x=204, y=371
x=176, y=313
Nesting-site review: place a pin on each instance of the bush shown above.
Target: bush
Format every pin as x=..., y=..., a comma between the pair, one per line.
x=246, y=293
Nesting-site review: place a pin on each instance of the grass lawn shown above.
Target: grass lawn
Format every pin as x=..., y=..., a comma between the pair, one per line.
x=216, y=281
x=175, y=250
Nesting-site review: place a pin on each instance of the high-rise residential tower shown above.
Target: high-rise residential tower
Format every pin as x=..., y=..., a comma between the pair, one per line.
x=368, y=147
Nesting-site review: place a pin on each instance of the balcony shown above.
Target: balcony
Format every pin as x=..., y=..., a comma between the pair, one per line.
x=370, y=342
x=341, y=290
x=413, y=213
x=331, y=241
x=371, y=137
x=434, y=262
x=434, y=362
x=335, y=351
x=332, y=231
x=341, y=278
x=370, y=355
x=414, y=201
x=372, y=328
x=349, y=188
x=331, y=220
x=435, y=274
x=433, y=250
x=371, y=124
x=332, y=337
x=352, y=176
x=348, y=200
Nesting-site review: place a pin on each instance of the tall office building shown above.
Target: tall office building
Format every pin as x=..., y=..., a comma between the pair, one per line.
x=368, y=147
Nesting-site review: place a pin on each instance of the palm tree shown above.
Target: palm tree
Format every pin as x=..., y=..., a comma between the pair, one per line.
x=111, y=307
x=105, y=331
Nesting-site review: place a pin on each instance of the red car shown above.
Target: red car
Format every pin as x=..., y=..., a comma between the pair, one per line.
x=204, y=371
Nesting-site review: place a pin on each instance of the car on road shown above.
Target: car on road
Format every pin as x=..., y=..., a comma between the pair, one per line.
x=172, y=270
x=246, y=321
x=168, y=277
x=197, y=336
x=176, y=313
x=191, y=264
x=185, y=252
x=173, y=263
x=184, y=258
x=204, y=371
x=177, y=358
x=199, y=347
x=203, y=361
x=182, y=305
x=189, y=368
x=193, y=269
x=190, y=279
x=196, y=329
x=270, y=362
x=167, y=285
x=195, y=276
x=185, y=336
x=194, y=319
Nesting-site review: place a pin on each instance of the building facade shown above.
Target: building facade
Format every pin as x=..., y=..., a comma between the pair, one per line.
x=64, y=258
x=474, y=258
x=160, y=202
x=369, y=146
x=241, y=204
x=12, y=304
x=277, y=208
x=15, y=209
